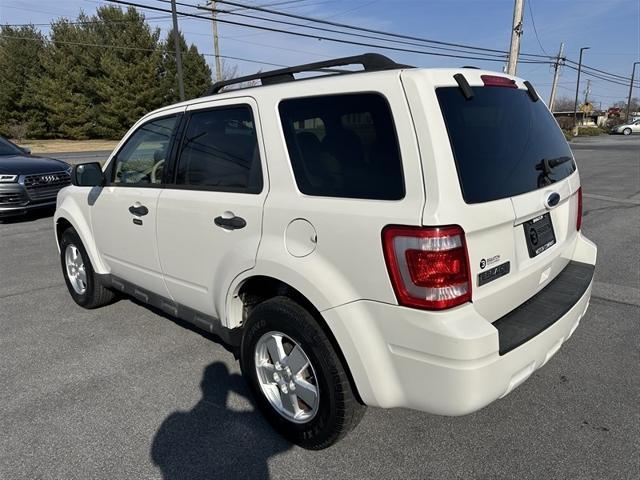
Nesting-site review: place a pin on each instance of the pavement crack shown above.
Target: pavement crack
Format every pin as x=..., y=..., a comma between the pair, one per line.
x=607, y=198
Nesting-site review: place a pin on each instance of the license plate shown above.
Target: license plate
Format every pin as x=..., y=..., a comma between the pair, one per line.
x=539, y=234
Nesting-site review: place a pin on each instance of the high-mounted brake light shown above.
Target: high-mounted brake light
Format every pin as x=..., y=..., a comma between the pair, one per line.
x=496, y=81
x=428, y=267
x=579, y=216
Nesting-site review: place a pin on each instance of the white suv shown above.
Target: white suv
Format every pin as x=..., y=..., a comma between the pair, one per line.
x=395, y=237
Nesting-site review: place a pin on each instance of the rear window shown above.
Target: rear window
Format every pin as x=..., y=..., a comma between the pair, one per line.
x=220, y=151
x=504, y=143
x=343, y=146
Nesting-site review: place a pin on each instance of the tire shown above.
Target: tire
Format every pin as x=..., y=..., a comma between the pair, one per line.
x=94, y=294
x=337, y=410
x=626, y=131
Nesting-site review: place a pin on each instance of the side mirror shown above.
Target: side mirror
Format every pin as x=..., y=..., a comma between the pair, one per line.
x=87, y=175
x=26, y=150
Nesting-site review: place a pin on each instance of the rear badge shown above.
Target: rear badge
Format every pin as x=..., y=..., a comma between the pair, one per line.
x=494, y=273
x=487, y=262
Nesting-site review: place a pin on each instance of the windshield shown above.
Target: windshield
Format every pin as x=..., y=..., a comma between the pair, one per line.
x=504, y=143
x=8, y=148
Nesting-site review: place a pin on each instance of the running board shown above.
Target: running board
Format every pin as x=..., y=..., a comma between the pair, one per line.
x=231, y=337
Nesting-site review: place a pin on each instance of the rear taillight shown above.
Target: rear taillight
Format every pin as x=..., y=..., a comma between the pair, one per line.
x=579, y=216
x=428, y=266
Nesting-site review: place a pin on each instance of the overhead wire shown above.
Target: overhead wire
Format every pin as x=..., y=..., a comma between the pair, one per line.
x=475, y=53
x=322, y=37
x=535, y=30
x=323, y=29
x=142, y=49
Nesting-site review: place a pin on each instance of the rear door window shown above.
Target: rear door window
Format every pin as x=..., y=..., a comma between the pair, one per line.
x=504, y=143
x=220, y=151
x=343, y=146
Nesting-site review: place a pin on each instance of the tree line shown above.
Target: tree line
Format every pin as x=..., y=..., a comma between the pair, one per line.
x=92, y=77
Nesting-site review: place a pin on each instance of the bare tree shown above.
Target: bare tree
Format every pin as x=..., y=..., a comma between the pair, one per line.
x=563, y=104
x=230, y=72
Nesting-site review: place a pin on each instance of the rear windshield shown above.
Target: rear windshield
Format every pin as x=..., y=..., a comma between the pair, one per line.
x=504, y=143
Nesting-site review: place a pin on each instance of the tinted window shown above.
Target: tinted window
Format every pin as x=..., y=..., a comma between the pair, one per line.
x=343, y=146
x=220, y=151
x=142, y=158
x=500, y=140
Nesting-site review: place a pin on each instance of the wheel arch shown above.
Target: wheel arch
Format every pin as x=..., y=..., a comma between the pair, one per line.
x=63, y=220
x=255, y=289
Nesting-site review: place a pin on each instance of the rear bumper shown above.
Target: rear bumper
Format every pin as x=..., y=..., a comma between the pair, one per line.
x=450, y=363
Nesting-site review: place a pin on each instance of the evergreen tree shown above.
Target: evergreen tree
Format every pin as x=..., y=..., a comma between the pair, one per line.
x=19, y=66
x=66, y=88
x=196, y=72
x=93, y=77
x=129, y=82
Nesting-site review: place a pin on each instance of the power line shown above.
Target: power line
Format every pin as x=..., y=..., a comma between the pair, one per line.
x=621, y=77
x=83, y=22
x=351, y=27
x=535, y=30
x=599, y=76
x=491, y=57
x=342, y=25
x=276, y=4
x=141, y=49
x=321, y=37
x=312, y=27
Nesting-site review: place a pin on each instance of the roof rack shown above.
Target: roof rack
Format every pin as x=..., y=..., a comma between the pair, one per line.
x=370, y=62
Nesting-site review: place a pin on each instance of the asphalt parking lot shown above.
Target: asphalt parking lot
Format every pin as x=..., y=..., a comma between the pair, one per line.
x=122, y=392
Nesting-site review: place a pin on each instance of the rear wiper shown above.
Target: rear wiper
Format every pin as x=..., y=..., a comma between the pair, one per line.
x=547, y=164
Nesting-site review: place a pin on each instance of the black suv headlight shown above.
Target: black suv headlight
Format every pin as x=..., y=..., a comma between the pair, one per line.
x=4, y=178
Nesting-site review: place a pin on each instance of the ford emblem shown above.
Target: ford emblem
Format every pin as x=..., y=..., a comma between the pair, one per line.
x=552, y=200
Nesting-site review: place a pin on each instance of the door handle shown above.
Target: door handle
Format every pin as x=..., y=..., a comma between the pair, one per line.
x=138, y=210
x=232, y=223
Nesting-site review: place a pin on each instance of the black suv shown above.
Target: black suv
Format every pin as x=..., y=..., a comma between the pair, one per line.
x=28, y=182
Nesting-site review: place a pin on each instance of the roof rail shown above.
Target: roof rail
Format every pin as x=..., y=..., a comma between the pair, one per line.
x=369, y=61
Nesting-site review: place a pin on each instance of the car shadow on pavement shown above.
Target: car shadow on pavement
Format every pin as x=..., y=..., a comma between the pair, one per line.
x=212, y=441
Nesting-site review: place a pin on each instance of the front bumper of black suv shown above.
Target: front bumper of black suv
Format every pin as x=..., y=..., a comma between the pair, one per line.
x=31, y=192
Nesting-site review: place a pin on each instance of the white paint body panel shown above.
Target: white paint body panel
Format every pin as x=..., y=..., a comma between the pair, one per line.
x=128, y=250
x=200, y=259
x=453, y=353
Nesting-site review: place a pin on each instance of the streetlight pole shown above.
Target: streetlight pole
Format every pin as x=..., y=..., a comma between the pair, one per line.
x=633, y=73
x=575, y=104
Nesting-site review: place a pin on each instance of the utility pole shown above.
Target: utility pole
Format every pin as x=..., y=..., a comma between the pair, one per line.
x=516, y=33
x=176, y=47
x=633, y=74
x=556, y=76
x=587, y=91
x=216, y=45
x=575, y=104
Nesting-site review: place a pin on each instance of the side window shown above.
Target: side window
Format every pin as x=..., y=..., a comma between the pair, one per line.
x=343, y=146
x=220, y=151
x=142, y=158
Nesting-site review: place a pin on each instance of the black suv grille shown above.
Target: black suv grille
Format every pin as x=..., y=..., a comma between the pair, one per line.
x=47, y=185
x=10, y=199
